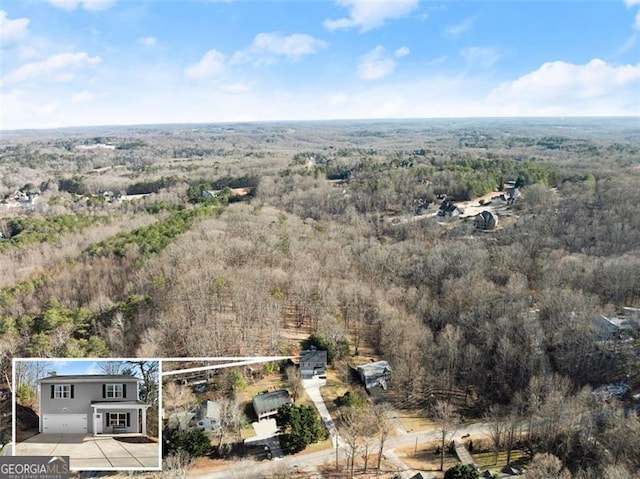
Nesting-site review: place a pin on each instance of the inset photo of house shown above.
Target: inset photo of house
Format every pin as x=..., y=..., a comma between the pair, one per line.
x=103, y=414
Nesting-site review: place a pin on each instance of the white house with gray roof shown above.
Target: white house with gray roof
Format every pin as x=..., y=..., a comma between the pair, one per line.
x=91, y=404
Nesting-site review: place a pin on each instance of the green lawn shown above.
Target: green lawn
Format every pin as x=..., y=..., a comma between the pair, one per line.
x=486, y=459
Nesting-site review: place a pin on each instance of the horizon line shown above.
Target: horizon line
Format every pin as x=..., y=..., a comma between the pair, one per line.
x=324, y=120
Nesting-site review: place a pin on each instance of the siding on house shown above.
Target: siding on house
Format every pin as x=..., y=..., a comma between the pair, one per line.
x=88, y=390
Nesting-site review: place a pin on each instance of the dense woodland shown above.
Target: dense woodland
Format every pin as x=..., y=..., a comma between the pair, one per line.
x=230, y=239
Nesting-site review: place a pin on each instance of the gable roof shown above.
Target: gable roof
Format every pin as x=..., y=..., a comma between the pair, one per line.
x=448, y=206
x=374, y=370
x=313, y=355
x=209, y=409
x=270, y=401
x=93, y=378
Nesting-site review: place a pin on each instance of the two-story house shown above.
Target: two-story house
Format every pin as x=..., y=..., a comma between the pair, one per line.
x=313, y=363
x=91, y=404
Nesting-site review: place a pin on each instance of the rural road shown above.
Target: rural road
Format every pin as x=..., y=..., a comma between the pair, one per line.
x=309, y=462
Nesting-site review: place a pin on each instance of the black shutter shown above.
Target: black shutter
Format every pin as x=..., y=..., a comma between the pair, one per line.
x=104, y=391
x=53, y=391
x=124, y=390
x=72, y=391
x=128, y=419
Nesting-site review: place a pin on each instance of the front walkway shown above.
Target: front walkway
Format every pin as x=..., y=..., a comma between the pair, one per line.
x=463, y=453
x=92, y=453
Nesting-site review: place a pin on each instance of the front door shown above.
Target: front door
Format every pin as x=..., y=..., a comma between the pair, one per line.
x=97, y=423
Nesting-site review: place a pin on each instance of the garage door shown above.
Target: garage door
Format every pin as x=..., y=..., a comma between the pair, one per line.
x=64, y=424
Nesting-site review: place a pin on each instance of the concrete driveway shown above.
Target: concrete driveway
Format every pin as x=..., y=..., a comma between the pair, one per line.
x=312, y=387
x=92, y=453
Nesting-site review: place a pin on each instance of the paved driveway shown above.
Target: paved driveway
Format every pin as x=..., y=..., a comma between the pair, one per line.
x=312, y=387
x=91, y=453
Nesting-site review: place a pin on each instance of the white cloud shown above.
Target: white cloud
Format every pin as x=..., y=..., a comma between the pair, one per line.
x=480, y=57
x=235, y=88
x=211, y=65
x=82, y=97
x=92, y=5
x=376, y=64
x=631, y=3
x=148, y=41
x=338, y=99
x=369, y=14
x=266, y=47
x=402, y=52
x=55, y=66
x=560, y=88
x=12, y=30
x=636, y=23
x=459, y=28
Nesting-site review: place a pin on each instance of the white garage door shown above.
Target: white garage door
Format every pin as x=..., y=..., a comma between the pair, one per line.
x=64, y=424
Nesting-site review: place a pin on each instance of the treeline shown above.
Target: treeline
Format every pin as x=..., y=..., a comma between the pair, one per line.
x=153, y=238
x=24, y=230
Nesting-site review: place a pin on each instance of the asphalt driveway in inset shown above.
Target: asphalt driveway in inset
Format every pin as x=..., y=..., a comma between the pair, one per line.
x=92, y=453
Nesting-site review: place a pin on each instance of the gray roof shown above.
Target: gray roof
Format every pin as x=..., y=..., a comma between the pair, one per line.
x=373, y=370
x=209, y=409
x=270, y=401
x=313, y=355
x=89, y=378
x=120, y=403
x=180, y=420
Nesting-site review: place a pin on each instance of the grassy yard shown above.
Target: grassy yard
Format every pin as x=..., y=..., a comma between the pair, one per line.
x=486, y=459
x=426, y=459
x=415, y=420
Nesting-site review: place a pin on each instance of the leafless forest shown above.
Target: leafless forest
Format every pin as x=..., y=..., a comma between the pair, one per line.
x=207, y=240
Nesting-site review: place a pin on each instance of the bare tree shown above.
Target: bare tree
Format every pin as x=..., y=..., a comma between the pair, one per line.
x=446, y=418
x=294, y=381
x=176, y=466
x=496, y=429
x=114, y=367
x=148, y=372
x=547, y=466
x=352, y=420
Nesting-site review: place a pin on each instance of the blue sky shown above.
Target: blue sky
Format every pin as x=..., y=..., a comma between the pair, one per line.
x=66, y=367
x=97, y=62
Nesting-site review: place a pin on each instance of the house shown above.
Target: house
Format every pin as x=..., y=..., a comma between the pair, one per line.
x=373, y=375
x=91, y=404
x=612, y=328
x=313, y=363
x=486, y=220
x=267, y=404
x=208, y=416
x=180, y=420
x=511, y=195
x=632, y=314
x=449, y=209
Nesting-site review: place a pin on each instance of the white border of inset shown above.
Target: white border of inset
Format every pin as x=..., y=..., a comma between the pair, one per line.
x=159, y=418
